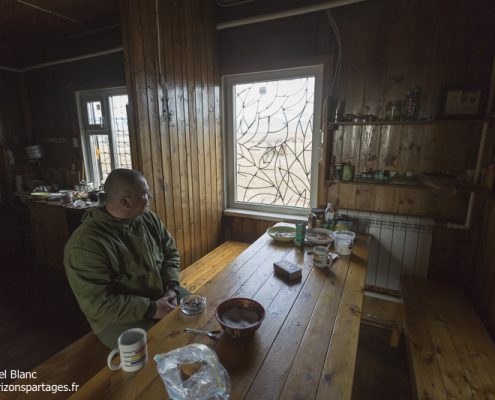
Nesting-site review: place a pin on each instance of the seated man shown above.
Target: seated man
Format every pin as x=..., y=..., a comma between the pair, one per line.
x=122, y=263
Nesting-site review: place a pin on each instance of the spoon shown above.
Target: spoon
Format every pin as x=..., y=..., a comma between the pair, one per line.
x=211, y=334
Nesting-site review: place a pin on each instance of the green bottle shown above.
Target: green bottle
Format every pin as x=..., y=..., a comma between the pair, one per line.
x=300, y=235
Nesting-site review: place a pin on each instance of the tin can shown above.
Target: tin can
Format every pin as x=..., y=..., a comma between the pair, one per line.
x=338, y=172
x=348, y=173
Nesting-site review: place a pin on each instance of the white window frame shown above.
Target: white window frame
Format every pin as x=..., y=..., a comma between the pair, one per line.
x=228, y=81
x=86, y=130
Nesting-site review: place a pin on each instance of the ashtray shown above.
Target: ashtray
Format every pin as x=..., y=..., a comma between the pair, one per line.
x=193, y=304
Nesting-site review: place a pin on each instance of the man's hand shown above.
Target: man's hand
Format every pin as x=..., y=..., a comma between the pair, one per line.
x=172, y=295
x=166, y=304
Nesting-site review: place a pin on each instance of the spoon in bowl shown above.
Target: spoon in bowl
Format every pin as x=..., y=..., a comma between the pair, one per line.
x=210, y=334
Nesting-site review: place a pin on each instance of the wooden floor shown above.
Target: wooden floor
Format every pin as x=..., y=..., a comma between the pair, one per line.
x=40, y=317
x=381, y=371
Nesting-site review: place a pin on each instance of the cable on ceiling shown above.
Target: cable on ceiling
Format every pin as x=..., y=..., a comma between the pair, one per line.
x=232, y=3
x=49, y=11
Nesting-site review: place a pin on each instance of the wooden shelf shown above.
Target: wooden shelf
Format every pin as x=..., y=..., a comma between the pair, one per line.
x=375, y=183
x=460, y=187
x=429, y=122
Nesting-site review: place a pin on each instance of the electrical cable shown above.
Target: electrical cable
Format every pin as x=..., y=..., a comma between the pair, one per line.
x=336, y=32
x=49, y=11
x=233, y=3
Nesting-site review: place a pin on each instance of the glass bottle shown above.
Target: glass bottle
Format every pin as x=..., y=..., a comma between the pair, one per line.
x=329, y=215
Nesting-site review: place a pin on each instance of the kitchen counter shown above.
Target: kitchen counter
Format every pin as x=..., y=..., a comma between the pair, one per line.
x=52, y=223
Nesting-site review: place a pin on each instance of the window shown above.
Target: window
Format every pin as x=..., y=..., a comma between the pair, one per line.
x=104, y=132
x=273, y=139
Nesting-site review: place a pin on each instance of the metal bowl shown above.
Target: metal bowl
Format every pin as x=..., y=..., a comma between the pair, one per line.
x=282, y=233
x=239, y=316
x=320, y=232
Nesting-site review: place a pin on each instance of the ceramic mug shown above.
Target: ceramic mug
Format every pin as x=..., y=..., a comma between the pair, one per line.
x=320, y=257
x=132, y=350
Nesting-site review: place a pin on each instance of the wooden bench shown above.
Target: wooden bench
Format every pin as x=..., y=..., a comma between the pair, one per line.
x=450, y=351
x=82, y=359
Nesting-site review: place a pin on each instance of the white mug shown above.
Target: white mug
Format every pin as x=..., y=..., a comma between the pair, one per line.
x=321, y=258
x=132, y=349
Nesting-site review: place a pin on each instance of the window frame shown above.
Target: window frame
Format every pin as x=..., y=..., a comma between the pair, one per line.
x=87, y=130
x=228, y=83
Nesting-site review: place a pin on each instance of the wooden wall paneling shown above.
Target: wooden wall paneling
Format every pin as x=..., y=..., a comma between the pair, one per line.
x=248, y=229
x=472, y=145
x=136, y=54
x=365, y=195
x=185, y=51
x=200, y=132
x=206, y=139
x=171, y=95
x=354, y=41
x=192, y=137
x=396, y=61
x=404, y=200
x=454, y=151
x=215, y=135
x=351, y=145
x=384, y=199
x=411, y=142
x=484, y=277
x=369, y=149
x=432, y=149
x=417, y=31
x=214, y=75
x=376, y=51
x=151, y=138
x=181, y=101
x=129, y=68
x=333, y=194
x=165, y=184
x=452, y=208
x=169, y=66
x=338, y=143
x=236, y=228
x=424, y=202
x=347, y=195
x=389, y=147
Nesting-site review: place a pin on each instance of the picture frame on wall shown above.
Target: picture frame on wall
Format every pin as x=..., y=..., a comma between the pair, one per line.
x=462, y=102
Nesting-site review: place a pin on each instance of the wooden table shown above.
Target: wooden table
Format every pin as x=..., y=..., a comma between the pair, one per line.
x=305, y=348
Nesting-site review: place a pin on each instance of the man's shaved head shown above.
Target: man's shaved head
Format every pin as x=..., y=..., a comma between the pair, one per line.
x=122, y=182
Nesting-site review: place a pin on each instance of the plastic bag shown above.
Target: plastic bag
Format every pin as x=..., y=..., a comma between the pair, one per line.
x=193, y=372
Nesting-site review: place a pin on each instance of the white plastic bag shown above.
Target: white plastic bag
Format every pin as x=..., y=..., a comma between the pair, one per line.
x=193, y=372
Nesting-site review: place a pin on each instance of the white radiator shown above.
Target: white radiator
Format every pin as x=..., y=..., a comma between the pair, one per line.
x=400, y=245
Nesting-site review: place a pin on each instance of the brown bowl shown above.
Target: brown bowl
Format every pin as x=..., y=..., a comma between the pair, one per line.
x=240, y=317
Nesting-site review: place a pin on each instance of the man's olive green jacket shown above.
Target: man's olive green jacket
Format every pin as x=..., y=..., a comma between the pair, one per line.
x=116, y=268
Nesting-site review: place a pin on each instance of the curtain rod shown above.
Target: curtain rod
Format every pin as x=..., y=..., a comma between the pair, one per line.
x=65, y=60
x=286, y=13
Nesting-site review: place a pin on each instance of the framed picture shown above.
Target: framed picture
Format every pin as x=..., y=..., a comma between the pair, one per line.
x=462, y=102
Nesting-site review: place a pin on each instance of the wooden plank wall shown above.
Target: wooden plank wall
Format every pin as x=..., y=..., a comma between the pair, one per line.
x=171, y=68
x=12, y=129
x=388, y=47
x=51, y=104
x=245, y=229
x=482, y=283
x=449, y=147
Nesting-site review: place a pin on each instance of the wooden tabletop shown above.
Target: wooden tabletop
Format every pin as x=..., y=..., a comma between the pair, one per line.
x=305, y=348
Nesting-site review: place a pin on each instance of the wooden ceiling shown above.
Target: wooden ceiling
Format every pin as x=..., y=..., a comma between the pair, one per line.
x=25, y=24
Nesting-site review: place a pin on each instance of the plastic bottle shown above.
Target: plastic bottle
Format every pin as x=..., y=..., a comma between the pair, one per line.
x=329, y=215
x=300, y=235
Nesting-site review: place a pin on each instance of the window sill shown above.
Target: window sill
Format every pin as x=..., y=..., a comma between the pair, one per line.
x=265, y=216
